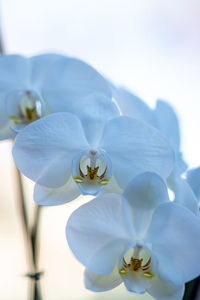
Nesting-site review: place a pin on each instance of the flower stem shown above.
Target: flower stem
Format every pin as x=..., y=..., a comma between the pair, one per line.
x=30, y=237
x=191, y=289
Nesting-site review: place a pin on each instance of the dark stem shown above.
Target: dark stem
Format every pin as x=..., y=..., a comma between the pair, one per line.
x=30, y=237
x=192, y=289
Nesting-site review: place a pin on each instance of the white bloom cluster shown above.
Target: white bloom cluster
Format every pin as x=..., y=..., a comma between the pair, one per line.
x=76, y=133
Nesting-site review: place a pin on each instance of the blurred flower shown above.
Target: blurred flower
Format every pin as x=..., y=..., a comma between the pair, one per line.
x=139, y=238
x=88, y=148
x=193, y=178
x=165, y=120
x=31, y=88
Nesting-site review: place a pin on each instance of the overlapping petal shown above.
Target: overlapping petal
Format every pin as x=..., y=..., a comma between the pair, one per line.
x=135, y=147
x=76, y=80
x=101, y=283
x=144, y=193
x=97, y=232
x=94, y=111
x=175, y=236
x=56, y=196
x=193, y=178
x=14, y=72
x=132, y=106
x=43, y=151
x=167, y=123
x=160, y=290
x=184, y=195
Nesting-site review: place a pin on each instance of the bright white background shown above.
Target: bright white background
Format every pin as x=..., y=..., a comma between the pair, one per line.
x=150, y=46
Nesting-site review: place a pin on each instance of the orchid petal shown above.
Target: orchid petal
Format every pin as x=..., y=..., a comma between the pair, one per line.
x=6, y=132
x=136, y=284
x=175, y=235
x=101, y=283
x=40, y=67
x=14, y=72
x=132, y=106
x=193, y=178
x=144, y=193
x=134, y=147
x=56, y=196
x=167, y=123
x=160, y=290
x=76, y=79
x=184, y=195
x=94, y=111
x=97, y=233
x=43, y=151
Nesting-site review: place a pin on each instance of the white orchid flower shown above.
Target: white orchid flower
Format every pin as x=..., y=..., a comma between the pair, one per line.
x=69, y=154
x=139, y=238
x=164, y=118
x=31, y=88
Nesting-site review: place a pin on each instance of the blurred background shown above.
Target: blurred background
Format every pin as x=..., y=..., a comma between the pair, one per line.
x=150, y=46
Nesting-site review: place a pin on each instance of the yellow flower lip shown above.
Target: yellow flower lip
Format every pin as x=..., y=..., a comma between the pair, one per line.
x=136, y=265
x=28, y=108
x=94, y=172
x=91, y=170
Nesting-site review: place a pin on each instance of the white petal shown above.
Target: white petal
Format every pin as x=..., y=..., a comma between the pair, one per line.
x=76, y=79
x=184, y=195
x=101, y=283
x=193, y=178
x=175, y=236
x=144, y=193
x=14, y=72
x=167, y=123
x=56, y=196
x=160, y=290
x=132, y=106
x=94, y=111
x=6, y=132
x=135, y=147
x=43, y=151
x=41, y=65
x=97, y=233
x=136, y=284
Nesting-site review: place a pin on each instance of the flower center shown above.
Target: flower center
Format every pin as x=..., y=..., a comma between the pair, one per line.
x=26, y=107
x=91, y=170
x=137, y=265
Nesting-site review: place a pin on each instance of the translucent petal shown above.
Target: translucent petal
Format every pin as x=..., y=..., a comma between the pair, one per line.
x=14, y=72
x=167, y=123
x=56, y=196
x=76, y=79
x=160, y=290
x=6, y=132
x=97, y=233
x=175, y=236
x=101, y=283
x=144, y=193
x=44, y=150
x=135, y=147
x=184, y=195
x=94, y=112
x=193, y=178
x=41, y=65
x=132, y=106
